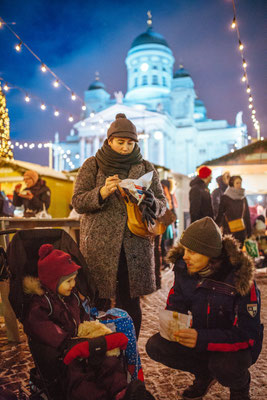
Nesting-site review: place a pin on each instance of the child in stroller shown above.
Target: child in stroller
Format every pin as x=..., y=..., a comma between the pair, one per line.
x=52, y=310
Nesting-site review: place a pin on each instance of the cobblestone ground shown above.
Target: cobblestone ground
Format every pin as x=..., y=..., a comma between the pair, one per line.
x=164, y=383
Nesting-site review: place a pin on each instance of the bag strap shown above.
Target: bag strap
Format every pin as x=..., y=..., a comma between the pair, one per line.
x=242, y=215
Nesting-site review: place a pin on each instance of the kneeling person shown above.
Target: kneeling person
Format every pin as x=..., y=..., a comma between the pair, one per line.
x=214, y=281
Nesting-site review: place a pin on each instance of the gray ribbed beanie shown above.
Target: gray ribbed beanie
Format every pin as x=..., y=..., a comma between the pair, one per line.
x=203, y=236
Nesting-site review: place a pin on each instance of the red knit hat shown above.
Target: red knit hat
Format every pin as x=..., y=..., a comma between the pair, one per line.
x=53, y=265
x=204, y=172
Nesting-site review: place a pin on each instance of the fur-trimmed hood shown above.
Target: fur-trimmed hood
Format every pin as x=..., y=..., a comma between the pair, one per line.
x=242, y=264
x=32, y=285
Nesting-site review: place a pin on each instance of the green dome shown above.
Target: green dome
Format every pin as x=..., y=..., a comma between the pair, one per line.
x=149, y=37
x=97, y=85
x=181, y=73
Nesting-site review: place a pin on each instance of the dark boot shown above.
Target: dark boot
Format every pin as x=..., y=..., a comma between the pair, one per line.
x=240, y=394
x=199, y=388
x=136, y=390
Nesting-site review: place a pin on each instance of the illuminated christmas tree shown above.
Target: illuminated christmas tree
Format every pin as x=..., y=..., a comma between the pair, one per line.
x=5, y=150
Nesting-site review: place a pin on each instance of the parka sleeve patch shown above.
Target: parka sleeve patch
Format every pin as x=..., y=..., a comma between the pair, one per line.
x=252, y=309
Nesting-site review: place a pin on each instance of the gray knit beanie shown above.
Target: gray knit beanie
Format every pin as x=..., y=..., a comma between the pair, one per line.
x=122, y=127
x=203, y=236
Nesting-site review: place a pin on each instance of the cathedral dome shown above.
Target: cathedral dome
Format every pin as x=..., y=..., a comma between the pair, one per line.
x=148, y=37
x=181, y=73
x=97, y=85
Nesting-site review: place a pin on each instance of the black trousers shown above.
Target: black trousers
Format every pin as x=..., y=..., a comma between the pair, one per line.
x=123, y=298
x=229, y=368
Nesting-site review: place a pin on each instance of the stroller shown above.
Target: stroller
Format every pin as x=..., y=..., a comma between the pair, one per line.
x=46, y=377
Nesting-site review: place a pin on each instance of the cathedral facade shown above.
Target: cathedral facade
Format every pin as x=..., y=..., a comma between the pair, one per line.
x=171, y=121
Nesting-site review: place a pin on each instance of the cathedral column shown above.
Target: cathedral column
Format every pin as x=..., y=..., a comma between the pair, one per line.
x=161, y=156
x=82, y=149
x=145, y=148
x=96, y=144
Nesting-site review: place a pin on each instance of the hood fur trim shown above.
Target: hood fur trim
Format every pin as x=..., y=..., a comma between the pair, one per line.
x=242, y=263
x=32, y=285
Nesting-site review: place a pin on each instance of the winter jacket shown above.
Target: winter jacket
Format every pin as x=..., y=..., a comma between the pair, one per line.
x=200, y=200
x=217, y=194
x=41, y=196
x=225, y=306
x=51, y=323
x=233, y=209
x=104, y=231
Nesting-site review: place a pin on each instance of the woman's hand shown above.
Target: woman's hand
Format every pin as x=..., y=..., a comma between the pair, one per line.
x=111, y=185
x=186, y=337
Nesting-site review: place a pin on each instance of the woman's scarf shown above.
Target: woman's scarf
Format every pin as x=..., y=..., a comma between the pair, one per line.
x=235, y=193
x=112, y=163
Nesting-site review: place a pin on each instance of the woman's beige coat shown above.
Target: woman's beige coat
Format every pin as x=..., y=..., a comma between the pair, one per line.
x=104, y=230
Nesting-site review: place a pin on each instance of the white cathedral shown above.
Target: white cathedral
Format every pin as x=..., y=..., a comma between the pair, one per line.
x=172, y=122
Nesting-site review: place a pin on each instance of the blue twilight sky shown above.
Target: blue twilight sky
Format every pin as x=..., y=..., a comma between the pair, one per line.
x=75, y=38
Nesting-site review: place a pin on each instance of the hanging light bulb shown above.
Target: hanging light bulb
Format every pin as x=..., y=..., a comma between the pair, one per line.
x=244, y=63
x=250, y=106
x=43, y=68
x=73, y=96
x=244, y=78
x=253, y=111
x=241, y=46
x=92, y=114
x=18, y=46
x=233, y=25
x=70, y=118
x=250, y=98
x=43, y=106
x=84, y=107
x=56, y=113
x=248, y=89
x=27, y=99
x=5, y=87
x=56, y=83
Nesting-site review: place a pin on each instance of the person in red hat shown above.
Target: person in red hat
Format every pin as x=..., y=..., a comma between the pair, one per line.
x=199, y=195
x=52, y=320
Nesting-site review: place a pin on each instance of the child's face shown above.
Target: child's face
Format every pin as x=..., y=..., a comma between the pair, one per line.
x=66, y=286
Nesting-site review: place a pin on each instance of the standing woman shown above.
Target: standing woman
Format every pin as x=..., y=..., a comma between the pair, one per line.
x=121, y=263
x=233, y=206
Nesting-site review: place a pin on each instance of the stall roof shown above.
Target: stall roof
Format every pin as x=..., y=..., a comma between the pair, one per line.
x=22, y=166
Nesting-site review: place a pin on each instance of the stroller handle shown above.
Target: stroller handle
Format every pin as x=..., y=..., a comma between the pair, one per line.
x=8, y=231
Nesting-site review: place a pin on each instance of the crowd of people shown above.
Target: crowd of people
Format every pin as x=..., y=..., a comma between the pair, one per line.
x=214, y=279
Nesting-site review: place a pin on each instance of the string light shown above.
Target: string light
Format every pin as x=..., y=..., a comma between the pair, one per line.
x=5, y=87
x=84, y=107
x=244, y=78
x=44, y=67
x=27, y=99
x=43, y=106
x=73, y=96
x=71, y=118
x=56, y=113
x=56, y=83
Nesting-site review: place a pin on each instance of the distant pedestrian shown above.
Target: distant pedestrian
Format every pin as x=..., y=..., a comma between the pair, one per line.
x=234, y=207
x=199, y=195
x=223, y=182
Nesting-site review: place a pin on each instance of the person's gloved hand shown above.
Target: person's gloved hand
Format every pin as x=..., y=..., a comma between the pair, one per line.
x=148, y=214
x=149, y=199
x=96, y=347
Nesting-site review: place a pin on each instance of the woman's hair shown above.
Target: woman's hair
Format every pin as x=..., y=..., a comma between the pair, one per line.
x=233, y=178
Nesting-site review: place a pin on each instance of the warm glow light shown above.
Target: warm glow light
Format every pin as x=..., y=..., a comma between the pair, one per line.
x=248, y=89
x=244, y=78
x=84, y=107
x=27, y=99
x=18, y=46
x=250, y=106
x=244, y=64
x=56, y=113
x=56, y=83
x=241, y=46
x=92, y=114
x=5, y=87
x=43, y=68
x=253, y=111
x=43, y=106
x=70, y=118
x=73, y=96
x=233, y=24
